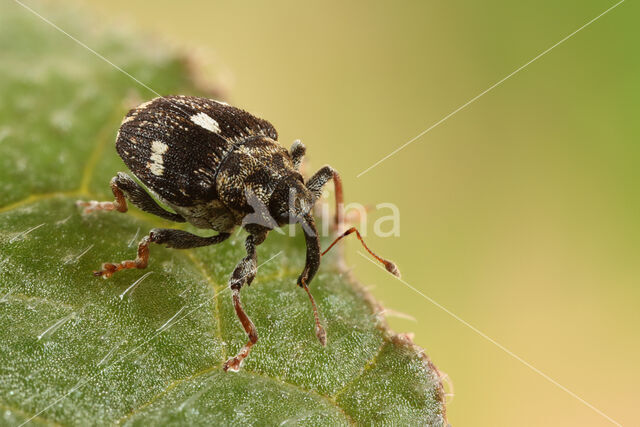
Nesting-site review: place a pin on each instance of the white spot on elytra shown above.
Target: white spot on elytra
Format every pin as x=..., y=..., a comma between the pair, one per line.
x=158, y=148
x=203, y=120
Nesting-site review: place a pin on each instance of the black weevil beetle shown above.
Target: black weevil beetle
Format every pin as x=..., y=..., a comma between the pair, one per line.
x=218, y=167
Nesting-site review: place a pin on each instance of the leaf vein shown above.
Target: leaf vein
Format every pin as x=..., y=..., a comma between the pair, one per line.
x=34, y=198
x=370, y=364
x=101, y=143
x=328, y=399
x=29, y=415
x=157, y=396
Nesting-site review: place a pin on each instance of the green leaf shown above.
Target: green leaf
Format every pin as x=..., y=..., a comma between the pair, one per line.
x=148, y=346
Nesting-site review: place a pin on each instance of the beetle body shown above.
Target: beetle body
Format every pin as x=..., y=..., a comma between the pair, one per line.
x=202, y=157
x=217, y=167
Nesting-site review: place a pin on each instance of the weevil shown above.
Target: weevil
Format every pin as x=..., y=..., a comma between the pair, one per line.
x=218, y=167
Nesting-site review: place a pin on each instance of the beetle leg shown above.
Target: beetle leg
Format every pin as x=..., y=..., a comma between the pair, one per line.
x=140, y=262
x=320, y=332
x=123, y=185
x=311, y=266
x=234, y=363
x=389, y=265
x=177, y=239
x=119, y=204
x=339, y=218
x=245, y=271
x=318, y=181
x=315, y=184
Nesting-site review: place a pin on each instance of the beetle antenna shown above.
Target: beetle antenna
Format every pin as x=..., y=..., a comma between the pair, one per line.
x=390, y=266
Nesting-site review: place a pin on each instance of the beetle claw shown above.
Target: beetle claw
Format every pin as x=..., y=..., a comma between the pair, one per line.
x=232, y=364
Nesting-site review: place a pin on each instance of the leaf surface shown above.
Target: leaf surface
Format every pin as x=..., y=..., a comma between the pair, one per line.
x=148, y=345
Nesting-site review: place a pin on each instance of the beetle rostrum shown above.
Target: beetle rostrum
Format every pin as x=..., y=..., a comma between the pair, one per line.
x=219, y=168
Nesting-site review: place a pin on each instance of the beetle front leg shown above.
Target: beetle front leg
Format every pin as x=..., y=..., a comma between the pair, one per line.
x=244, y=272
x=315, y=184
x=318, y=181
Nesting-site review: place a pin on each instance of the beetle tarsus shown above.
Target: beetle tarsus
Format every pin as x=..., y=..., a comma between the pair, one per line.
x=108, y=269
x=119, y=204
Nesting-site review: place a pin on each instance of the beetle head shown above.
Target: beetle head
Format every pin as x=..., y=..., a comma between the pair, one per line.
x=291, y=201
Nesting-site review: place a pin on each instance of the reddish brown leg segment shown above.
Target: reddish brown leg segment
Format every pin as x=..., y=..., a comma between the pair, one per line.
x=339, y=219
x=390, y=266
x=177, y=239
x=119, y=204
x=122, y=185
x=320, y=332
x=245, y=272
x=140, y=262
x=234, y=363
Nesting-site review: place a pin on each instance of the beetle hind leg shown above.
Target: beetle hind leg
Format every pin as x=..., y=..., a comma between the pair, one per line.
x=119, y=204
x=124, y=187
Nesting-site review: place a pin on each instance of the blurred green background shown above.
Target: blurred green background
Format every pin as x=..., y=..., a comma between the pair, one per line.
x=519, y=214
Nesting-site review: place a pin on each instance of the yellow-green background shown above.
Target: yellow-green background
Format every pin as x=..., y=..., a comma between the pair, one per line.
x=520, y=214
